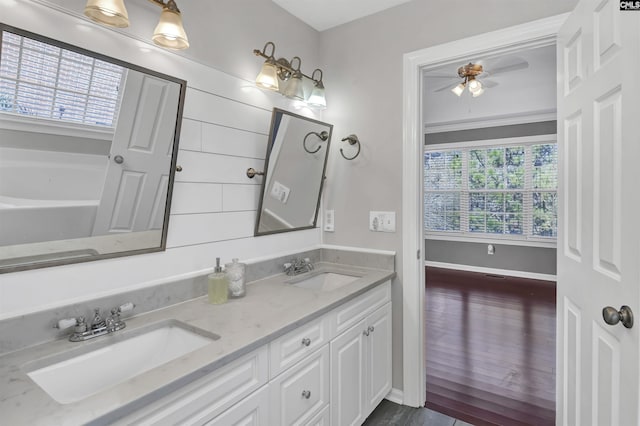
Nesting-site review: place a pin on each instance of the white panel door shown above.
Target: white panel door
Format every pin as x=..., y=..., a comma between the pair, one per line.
x=137, y=177
x=599, y=228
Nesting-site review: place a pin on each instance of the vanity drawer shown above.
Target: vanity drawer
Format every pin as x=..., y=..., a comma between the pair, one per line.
x=253, y=410
x=295, y=345
x=202, y=400
x=345, y=316
x=302, y=391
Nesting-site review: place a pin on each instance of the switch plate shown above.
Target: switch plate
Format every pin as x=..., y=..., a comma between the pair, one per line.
x=329, y=220
x=382, y=221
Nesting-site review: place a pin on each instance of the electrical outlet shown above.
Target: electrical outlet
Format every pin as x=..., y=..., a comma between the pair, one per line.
x=329, y=220
x=491, y=249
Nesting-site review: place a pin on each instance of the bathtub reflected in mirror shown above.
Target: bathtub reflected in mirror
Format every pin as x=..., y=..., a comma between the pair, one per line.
x=88, y=146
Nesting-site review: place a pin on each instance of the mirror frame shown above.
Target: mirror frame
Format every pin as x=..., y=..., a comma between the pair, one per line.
x=174, y=155
x=270, y=141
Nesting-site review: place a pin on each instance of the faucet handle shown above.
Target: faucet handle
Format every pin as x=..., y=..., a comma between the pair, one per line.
x=65, y=323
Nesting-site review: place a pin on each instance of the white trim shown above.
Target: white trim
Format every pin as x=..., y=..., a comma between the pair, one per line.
x=491, y=240
x=495, y=121
x=533, y=34
x=394, y=395
x=10, y=121
x=358, y=249
x=494, y=271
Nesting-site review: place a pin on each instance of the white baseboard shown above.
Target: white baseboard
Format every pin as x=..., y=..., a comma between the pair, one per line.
x=506, y=272
x=395, y=395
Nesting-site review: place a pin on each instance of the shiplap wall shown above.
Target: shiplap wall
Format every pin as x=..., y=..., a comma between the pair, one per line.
x=224, y=132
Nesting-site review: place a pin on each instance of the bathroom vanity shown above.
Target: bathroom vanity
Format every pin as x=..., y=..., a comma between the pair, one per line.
x=310, y=349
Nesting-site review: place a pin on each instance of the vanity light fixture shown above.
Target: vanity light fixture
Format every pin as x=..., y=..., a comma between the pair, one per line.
x=275, y=72
x=108, y=12
x=169, y=32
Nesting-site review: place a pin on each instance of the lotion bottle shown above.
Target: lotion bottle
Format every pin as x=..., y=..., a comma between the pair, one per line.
x=218, y=285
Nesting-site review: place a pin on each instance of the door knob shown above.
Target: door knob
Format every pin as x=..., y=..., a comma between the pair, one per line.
x=612, y=316
x=119, y=159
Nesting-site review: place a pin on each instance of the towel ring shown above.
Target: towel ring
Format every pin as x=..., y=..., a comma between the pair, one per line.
x=352, y=139
x=323, y=136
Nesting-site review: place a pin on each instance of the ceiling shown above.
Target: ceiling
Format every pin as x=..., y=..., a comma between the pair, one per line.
x=325, y=14
x=516, y=91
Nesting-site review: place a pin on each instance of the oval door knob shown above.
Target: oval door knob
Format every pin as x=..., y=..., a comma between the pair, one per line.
x=178, y=168
x=119, y=159
x=612, y=316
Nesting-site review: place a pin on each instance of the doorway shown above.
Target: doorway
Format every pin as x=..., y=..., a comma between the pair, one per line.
x=536, y=34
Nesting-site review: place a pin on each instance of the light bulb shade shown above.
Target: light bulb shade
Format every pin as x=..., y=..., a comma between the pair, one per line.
x=268, y=77
x=477, y=92
x=169, y=32
x=317, y=99
x=474, y=86
x=295, y=88
x=108, y=12
x=458, y=89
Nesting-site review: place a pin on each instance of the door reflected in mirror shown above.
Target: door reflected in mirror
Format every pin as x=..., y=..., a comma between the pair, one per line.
x=88, y=146
x=295, y=167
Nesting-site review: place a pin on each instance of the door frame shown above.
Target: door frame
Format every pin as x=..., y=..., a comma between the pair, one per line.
x=533, y=34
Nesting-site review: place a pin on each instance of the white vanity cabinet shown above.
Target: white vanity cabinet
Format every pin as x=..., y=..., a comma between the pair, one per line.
x=332, y=370
x=361, y=357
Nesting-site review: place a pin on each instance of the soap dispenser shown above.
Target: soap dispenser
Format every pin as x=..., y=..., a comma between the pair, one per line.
x=235, y=275
x=218, y=285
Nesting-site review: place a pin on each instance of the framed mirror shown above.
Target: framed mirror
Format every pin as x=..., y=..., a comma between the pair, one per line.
x=294, y=172
x=88, y=149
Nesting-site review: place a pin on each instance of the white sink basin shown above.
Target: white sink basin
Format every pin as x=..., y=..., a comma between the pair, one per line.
x=324, y=281
x=80, y=376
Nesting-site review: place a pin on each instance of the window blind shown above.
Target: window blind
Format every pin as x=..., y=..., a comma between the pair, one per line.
x=45, y=81
x=508, y=190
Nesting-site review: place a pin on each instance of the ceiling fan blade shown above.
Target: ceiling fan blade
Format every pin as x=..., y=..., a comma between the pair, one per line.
x=489, y=83
x=448, y=86
x=502, y=66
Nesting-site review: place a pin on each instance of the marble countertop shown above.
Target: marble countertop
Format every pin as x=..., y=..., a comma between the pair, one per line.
x=270, y=309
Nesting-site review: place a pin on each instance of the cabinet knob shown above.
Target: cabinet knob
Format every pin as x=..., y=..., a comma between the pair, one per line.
x=371, y=329
x=366, y=332
x=306, y=394
x=306, y=341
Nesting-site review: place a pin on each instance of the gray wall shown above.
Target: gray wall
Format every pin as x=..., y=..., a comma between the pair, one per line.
x=362, y=61
x=540, y=260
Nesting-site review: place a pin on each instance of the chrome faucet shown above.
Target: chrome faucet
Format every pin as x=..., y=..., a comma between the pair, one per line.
x=298, y=266
x=99, y=326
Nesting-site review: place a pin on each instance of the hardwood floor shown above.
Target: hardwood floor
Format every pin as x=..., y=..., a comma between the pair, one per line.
x=490, y=348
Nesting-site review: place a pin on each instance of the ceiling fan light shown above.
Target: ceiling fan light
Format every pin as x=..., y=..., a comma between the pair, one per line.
x=477, y=92
x=458, y=89
x=474, y=85
x=107, y=12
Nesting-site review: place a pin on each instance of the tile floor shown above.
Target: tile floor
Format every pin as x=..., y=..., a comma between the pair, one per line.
x=389, y=413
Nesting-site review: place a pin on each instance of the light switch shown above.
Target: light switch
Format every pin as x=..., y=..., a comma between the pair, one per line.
x=382, y=221
x=329, y=220
x=279, y=192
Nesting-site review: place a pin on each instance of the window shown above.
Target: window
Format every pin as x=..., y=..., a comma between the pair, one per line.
x=47, y=82
x=509, y=191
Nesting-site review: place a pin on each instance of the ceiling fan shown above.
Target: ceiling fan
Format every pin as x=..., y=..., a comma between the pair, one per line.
x=472, y=72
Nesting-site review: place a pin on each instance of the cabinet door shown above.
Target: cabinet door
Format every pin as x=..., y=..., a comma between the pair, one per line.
x=347, y=375
x=378, y=353
x=251, y=411
x=301, y=391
